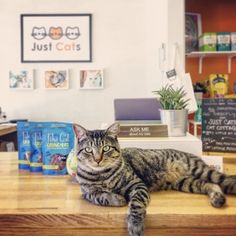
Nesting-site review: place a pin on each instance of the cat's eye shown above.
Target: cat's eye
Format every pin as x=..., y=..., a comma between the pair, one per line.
x=106, y=148
x=88, y=150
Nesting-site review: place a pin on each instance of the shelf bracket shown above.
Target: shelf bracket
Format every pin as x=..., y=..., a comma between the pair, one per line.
x=230, y=55
x=200, y=64
x=230, y=63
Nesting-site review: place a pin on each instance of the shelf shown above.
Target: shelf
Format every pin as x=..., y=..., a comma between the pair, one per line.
x=7, y=129
x=202, y=55
x=211, y=54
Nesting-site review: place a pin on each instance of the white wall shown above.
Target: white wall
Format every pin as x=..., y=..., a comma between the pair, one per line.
x=176, y=28
x=126, y=38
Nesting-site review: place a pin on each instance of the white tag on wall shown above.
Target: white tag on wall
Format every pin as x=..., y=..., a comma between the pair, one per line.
x=171, y=74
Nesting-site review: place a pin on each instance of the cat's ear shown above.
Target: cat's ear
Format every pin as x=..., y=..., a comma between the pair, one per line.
x=113, y=130
x=80, y=132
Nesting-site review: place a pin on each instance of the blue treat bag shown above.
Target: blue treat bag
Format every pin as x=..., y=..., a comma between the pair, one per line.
x=24, y=145
x=58, y=141
x=36, y=159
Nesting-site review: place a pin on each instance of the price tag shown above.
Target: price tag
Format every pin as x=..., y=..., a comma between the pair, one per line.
x=171, y=74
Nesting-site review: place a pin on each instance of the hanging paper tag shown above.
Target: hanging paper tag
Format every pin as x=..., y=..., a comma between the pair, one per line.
x=171, y=74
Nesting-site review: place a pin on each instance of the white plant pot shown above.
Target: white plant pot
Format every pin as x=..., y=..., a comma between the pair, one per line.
x=176, y=120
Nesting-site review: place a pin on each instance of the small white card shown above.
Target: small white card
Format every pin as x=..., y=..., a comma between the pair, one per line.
x=215, y=162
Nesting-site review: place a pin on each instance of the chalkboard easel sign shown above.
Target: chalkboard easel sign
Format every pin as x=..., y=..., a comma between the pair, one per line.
x=219, y=125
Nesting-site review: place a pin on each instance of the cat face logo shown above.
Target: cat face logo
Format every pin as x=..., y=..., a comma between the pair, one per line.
x=39, y=33
x=55, y=33
x=72, y=32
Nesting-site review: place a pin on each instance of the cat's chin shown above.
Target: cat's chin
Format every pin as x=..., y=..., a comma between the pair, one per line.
x=98, y=168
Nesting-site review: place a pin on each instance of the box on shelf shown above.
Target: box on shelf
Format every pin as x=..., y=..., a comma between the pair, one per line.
x=233, y=41
x=217, y=85
x=230, y=96
x=195, y=128
x=7, y=146
x=198, y=112
x=207, y=41
x=223, y=41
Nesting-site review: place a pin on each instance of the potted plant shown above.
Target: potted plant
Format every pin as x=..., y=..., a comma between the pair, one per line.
x=173, y=112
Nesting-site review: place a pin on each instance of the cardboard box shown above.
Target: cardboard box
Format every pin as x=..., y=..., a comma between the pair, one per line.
x=217, y=85
x=10, y=147
x=3, y=147
x=223, y=41
x=233, y=41
x=7, y=146
x=207, y=41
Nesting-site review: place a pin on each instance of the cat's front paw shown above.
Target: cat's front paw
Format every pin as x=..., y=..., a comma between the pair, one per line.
x=217, y=199
x=105, y=198
x=117, y=200
x=135, y=226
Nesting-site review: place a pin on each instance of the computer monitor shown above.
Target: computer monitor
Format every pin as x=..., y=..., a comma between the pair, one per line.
x=137, y=109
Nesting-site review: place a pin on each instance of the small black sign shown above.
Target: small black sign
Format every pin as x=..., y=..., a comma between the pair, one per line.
x=219, y=125
x=171, y=74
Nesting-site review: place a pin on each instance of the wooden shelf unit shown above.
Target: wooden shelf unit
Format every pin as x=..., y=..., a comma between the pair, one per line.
x=201, y=55
x=216, y=16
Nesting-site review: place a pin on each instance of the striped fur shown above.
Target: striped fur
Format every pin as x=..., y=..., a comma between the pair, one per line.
x=111, y=176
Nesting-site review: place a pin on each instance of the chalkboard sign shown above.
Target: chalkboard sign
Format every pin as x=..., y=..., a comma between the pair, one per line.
x=219, y=125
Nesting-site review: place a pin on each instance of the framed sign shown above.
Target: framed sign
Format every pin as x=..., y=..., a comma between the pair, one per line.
x=91, y=79
x=21, y=79
x=56, y=38
x=56, y=79
x=219, y=125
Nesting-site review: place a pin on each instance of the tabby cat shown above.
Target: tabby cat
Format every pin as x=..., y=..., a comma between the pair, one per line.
x=111, y=176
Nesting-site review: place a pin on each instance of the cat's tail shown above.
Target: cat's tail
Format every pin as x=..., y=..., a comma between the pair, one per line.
x=204, y=172
x=228, y=185
x=226, y=182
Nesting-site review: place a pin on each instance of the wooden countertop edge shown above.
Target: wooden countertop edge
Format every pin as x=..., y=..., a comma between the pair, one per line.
x=83, y=221
x=7, y=129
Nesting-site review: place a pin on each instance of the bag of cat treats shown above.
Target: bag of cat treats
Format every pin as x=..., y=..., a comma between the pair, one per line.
x=36, y=160
x=72, y=164
x=24, y=144
x=58, y=141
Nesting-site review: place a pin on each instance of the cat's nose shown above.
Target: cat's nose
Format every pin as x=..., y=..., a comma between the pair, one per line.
x=98, y=158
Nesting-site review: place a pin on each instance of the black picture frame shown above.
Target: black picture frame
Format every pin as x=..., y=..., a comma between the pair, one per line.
x=56, y=38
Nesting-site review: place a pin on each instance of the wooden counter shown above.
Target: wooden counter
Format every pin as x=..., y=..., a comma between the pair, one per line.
x=7, y=129
x=8, y=134
x=33, y=204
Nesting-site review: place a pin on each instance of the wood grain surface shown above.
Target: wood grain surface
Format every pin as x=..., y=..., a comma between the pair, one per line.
x=7, y=129
x=33, y=204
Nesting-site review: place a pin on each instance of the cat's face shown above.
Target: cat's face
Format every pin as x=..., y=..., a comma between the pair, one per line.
x=39, y=33
x=72, y=32
x=98, y=149
x=94, y=79
x=55, y=33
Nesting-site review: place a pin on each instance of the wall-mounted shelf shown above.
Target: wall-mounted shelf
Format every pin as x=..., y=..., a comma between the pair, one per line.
x=202, y=55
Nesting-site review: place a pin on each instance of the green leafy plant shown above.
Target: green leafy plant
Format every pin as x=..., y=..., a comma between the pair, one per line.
x=172, y=99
